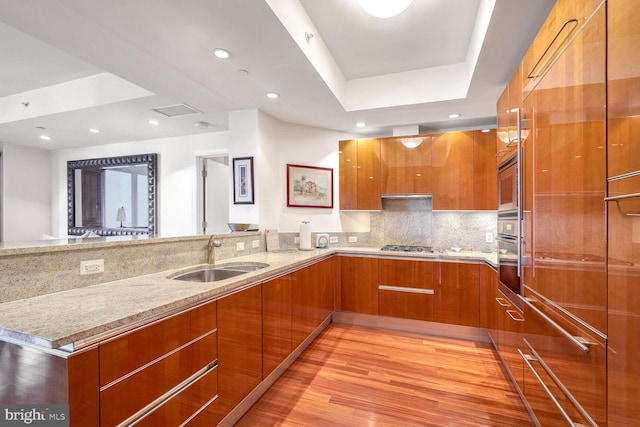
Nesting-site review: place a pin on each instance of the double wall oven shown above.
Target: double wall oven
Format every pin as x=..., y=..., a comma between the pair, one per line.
x=509, y=229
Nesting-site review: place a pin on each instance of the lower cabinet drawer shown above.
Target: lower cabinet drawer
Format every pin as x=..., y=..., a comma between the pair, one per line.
x=197, y=396
x=131, y=393
x=571, y=354
x=406, y=303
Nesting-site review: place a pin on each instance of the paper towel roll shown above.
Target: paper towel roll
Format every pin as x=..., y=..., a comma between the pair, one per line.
x=305, y=236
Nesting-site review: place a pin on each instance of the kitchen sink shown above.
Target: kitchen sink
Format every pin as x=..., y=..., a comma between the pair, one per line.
x=242, y=266
x=220, y=272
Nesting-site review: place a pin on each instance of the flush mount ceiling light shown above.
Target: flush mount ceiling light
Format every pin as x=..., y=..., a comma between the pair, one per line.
x=272, y=95
x=361, y=124
x=411, y=142
x=154, y=122
x=454, y=115
x=94, y=130
x=221, y=53
x=384, y=8
x=45, y=137
x=202, y=125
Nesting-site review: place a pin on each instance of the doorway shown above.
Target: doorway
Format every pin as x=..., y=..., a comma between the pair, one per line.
x=213, y=212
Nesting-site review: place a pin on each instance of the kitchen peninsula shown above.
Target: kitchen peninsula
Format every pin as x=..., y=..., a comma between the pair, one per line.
x=104, y=313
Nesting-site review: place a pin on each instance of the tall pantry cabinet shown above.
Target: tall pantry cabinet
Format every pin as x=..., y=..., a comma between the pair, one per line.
x=623, y=176
x=563, y=161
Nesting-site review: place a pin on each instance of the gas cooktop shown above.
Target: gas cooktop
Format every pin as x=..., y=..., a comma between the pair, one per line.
x=406, y=248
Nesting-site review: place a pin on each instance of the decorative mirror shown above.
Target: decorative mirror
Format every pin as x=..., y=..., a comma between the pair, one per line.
x=112, y=196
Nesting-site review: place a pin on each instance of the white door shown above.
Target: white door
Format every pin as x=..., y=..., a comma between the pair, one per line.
x=215, y=194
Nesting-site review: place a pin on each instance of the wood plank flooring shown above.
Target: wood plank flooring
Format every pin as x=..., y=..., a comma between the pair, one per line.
x=357, y=376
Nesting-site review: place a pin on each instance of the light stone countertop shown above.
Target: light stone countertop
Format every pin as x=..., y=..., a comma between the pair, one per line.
x=80, y=315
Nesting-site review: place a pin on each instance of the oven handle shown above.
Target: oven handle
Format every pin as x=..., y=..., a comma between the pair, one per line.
x=519, y=200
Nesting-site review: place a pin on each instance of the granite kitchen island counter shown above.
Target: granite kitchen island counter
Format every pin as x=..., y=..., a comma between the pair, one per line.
x=79, y=316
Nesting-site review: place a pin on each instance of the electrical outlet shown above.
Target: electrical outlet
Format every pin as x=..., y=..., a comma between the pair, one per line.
x=93, y=266
x=240, y=246
x=489, y=237
x=333, y=239
x=353, y=239
x=255, y=244
x=296, y=240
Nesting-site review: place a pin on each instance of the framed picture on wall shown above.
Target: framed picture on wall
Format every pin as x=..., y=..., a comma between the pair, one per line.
x=243, y=181
x=309, y=187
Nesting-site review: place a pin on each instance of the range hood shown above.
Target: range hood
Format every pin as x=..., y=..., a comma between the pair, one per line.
x=406, y=196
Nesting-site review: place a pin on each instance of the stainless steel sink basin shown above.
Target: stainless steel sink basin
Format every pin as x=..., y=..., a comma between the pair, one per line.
x=242, y=266
x=220, y=272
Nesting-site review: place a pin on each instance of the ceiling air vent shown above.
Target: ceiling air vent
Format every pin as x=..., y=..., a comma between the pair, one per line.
x=176, y=110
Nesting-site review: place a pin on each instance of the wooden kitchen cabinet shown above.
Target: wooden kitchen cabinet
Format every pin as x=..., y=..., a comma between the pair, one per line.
x=276, y=323
x=509, y=101
x=406, y=169
x=623, y=272
x=487, y=287
x=508, y=333
x=570, y=352
x=568, y=139
x=312, y=292
x=456, y=293
x=239, y=346
x=359, y=174
x=623, y=86
x=485, y=173
x=359, y=284
x=452, y=171
x=406, y=289
x=83, y=378
x=140, y=366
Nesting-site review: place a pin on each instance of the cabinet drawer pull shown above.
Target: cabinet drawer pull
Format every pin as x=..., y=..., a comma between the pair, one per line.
x=579, y=342
x=405, y=289
x=565, y=25
x=527, y=360
x=516, y=318
x=536, y=357
x=504, y=304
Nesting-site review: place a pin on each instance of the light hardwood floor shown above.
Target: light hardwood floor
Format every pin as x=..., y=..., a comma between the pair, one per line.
x=357, y=376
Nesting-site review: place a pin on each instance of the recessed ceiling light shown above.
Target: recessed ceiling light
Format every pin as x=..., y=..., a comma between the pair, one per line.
x=361, y=124
x=384, y=8
x=272, y=95
x=221, y=53
x=45, y=137
x=486, y=130
x=154, y=122
x=94, y=130
x=454, y=115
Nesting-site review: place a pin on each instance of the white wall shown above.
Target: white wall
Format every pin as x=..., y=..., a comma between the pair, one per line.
x=284, y=143
x=26, y=193
x=271, y=142
x=177, y=177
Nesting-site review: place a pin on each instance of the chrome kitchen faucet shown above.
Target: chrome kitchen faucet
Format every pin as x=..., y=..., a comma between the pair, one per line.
x=213, y=243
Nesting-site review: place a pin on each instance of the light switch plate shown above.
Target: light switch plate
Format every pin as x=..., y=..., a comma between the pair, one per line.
x=333, y=239
x=93, y=266
x=255, y=244
x=240, y=246
x=353, y=239
x=489, y=237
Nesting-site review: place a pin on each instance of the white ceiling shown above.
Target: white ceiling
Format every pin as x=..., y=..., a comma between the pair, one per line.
x=88, y=63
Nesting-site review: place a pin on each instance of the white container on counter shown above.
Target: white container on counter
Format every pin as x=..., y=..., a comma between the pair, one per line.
x=305, y=236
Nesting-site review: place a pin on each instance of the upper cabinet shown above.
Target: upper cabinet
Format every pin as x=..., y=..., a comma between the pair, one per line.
x=508, y=104
x=485, y=173
x=457, y=168
x=360, y=174
x=623, y=85
x=406, y=165
x=452, y=169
